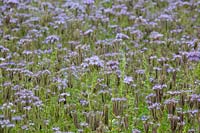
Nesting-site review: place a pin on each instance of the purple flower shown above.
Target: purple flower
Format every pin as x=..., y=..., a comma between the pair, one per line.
x=136, y=131
x=128, y=79
x=6, y=123
x=11, y=1
x=47, y=5
x=113, y=65
x=140, y=71
x=88, y=2
x=24, y=127
x=121, y=36
x=51, y=39
x=194, y=56
x=3, y=49
x=17, y=118
x=159, y=87
x=155, y=35
x=55, y=128
x=84, y=102
x=93, y=61
x=165, y=17
x=28, y=98
x=88, y=32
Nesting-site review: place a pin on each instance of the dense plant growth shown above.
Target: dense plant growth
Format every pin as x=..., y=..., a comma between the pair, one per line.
x=100, y=66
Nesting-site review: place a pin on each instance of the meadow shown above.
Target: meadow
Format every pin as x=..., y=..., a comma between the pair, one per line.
x=99, y=66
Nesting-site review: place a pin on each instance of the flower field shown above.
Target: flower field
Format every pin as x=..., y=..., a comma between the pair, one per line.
x=99, y=66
